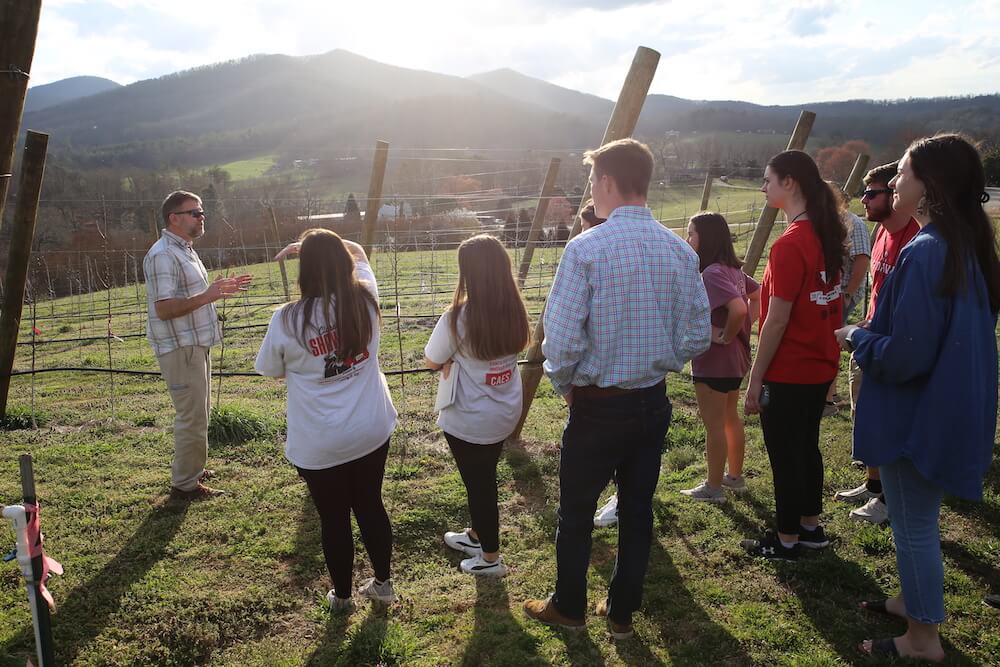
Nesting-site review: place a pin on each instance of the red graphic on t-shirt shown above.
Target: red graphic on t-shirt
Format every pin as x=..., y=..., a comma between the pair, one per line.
x=326, y=343
x=497, y=379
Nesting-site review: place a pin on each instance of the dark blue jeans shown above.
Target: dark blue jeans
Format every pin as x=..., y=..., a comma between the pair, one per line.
x=619, y=436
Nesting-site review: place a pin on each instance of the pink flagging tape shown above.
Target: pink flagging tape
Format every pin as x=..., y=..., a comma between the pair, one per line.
x=35, y=540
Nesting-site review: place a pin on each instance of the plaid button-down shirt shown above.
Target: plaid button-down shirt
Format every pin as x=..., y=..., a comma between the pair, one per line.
x=860, y=244
x=627, y=305
x=173, y=270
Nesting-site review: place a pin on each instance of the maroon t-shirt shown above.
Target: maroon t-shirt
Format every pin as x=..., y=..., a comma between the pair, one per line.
x=723, y=284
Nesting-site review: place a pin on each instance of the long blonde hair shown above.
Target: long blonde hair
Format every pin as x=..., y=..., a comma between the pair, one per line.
x=496, y=321
x=326, y=269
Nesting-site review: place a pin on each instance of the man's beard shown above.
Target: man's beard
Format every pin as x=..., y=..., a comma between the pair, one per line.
x=878, y=215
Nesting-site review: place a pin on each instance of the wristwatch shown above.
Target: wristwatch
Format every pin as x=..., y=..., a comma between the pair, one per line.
x=847, y=339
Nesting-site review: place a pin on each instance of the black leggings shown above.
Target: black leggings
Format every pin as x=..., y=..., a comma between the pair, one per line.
x=355, y=485
x=791, y=434
x=477, y=464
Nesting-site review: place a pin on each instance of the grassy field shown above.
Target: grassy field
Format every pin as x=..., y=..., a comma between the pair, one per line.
x=241, y=170
x=240, y=580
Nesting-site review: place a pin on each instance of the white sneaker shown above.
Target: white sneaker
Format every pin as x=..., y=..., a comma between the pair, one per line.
x=339, y=604
x=858, y=495
x=381, y=592
x=482, y=567
x=735, y=484
x=607, y=515
x=704, y=493
x=874, y=511
x=462, y=541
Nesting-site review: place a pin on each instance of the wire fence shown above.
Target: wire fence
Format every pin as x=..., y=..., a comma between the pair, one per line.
x=88, y=307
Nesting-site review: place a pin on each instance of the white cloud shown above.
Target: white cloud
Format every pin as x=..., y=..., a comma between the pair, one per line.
x=804, y=51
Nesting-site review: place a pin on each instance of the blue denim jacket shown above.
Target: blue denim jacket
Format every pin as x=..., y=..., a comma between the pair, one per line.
x=929, y=392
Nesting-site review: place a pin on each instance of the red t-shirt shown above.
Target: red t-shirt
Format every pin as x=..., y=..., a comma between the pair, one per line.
x=885, y=252
x=808, y=352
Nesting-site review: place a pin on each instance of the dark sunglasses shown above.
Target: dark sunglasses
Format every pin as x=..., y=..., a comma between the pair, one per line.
x=194, y=213
x=868, y=194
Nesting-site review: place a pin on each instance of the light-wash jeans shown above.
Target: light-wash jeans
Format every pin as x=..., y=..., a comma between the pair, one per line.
x=188, y=373
x=915, y=509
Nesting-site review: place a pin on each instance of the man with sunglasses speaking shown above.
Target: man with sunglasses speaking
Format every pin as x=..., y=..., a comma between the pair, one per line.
x=182, y=328
x=895, y=232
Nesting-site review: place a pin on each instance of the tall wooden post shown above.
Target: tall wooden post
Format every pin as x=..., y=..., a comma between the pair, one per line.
x=21, y=235
x=627, y=109
x=374, y=195
x=766, y=221
x=706, y=192
x=154, y=228
x=281, y=262
x=621, y=125
x=536, y=224
x=18, y=31
x=44, y=646
x=857, y=173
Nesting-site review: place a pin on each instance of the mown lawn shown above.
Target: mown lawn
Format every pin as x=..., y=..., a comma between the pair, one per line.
x=240, y=580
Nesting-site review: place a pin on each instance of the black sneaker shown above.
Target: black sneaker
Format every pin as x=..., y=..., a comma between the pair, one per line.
x=813, y=539
x=771, y=548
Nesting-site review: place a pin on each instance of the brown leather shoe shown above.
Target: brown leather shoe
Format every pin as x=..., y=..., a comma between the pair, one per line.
x=544, y=611
x=200, y=492
x=617, y=630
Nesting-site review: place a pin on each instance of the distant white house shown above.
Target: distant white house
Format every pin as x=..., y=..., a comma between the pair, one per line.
x=385, y=212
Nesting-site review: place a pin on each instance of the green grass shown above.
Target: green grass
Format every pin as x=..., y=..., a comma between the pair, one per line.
x=254, y=167
x=240, y=580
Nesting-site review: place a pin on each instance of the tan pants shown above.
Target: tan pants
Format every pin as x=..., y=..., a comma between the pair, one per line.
x=854, y=372
x=188, y=373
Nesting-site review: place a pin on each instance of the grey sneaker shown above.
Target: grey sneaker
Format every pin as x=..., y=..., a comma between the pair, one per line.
x=859, y=495
x=874, y=511
x=381, y=592
x=735, y=484
x=705, y=493
x=338, y=605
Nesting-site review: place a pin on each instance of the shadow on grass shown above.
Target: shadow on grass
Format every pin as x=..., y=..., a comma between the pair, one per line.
x=973, y=564
x=686, y=630
x=307, y=561
x=497, y=637
x=527, y=475
x=829, y=590
x=88, y=608
x=377, y=640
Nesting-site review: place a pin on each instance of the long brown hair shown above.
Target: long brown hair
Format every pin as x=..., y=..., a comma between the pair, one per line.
x=951, y=170
x=326, y=273
x=495, y=319
x=822, y=207
x=715, y=241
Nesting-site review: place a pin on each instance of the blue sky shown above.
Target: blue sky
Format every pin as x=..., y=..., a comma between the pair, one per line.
x=764, y=52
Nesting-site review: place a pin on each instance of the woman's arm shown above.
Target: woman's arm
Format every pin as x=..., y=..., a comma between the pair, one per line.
x=736, y=316
x=772, y=331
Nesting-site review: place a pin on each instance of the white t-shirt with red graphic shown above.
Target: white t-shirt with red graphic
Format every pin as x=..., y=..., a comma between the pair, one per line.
x=488, y=396
x=338, y=409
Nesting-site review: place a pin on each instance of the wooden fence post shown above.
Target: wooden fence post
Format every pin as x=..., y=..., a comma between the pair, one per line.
x=706, y=192
x=627, y=109
x=536, y=223
x=857, y=173
x=18, y=31
x=154, y=229
x=21, y=234
x=765, y=223
x=621, y=125
x=281, y=262
x=374, y=195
